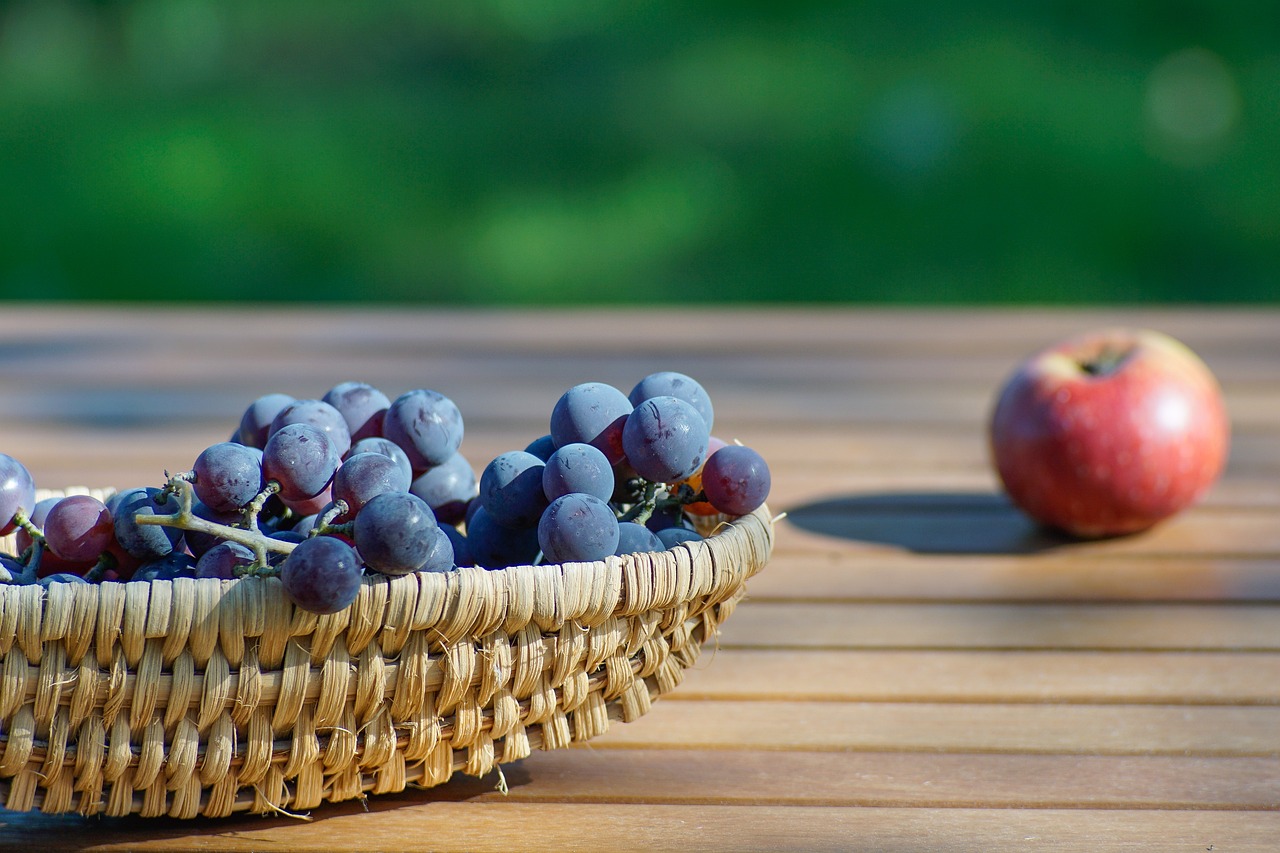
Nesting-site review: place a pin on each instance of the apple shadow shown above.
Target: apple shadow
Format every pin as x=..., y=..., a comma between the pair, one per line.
x=930, y=522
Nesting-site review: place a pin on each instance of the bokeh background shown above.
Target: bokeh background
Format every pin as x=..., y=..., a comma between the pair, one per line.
x=528, y=152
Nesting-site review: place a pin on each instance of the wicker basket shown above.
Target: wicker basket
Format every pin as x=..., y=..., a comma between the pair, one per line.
x=207, y=697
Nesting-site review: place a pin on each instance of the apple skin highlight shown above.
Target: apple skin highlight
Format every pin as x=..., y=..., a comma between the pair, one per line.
x=1110, y=432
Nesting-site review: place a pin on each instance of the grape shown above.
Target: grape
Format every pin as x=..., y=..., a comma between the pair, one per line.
x=22, y=539
x=223, y=559
x=668, y=383
x=394, y=533
x=301, y=459
x=665, y=439
x=17, y=492
x=577, y=467
x=386, y=447
x=176, y=565
x=578, y=527
x=440, y=557
x=228, y=476
x=447, y=488
x=255, y=424
x=635, y=538
x=736, y=480
x=542, y=447
x=591, y=413
x=150, y=541
x=319, y=414
x=511, y=489
x=427, y=426
x=365, y=476
x=321, y=575
x=79, y=528
x=61, y=577
x=461, y=548
x=694, y=482
x=362, y=407
x=495, y=546
x=673, y=536
x=198, y=542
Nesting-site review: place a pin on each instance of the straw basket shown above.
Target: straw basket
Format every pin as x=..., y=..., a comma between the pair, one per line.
x=207, y=697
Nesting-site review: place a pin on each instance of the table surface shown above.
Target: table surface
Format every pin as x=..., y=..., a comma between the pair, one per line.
x=918, y=667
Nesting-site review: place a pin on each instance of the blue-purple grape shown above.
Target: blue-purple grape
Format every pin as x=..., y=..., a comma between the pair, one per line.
x=302, y=459
x=673, y=536
x=145, y=541
x=362, y=406
x=591, y=413
x=228, y=475
x=494, y=545
x=736, y=480
x=17, y=492
x=668, y=383
x=319, y=414
x=223, y=560
x=461, y=548
x=197, y=541
x=255, y=423
x=665, y=439
x=321, y=575
x=447, y=488
x=395, y=533
x=179, y=564
x=511, y=489
x=363, y=477
x=635, y=538
x=79, y=528
x=578, y=527
x=577, y=467
x=542, y=447
x=427, y=426
x=385, y=446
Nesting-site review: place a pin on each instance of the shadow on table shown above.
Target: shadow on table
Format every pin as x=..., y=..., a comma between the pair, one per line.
x=929, y=522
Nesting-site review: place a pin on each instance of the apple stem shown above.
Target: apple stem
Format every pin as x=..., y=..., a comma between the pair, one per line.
x=1105, y=362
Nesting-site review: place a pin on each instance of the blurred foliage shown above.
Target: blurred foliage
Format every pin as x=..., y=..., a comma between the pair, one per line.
x=519, y=151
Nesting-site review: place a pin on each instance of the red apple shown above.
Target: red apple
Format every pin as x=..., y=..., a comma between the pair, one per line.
x=1109, y=432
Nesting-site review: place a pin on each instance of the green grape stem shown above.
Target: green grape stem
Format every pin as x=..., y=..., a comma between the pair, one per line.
x=250, y=537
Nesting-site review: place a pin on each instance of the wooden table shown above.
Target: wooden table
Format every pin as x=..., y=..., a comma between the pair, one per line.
x=919, y=668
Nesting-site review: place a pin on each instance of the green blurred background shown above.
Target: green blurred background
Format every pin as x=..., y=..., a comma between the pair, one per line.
x=516, y=151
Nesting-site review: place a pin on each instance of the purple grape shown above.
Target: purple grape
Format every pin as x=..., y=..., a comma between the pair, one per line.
x=395, y=533
x=542, y=447
x=17, y=492
x=577, y=467
x=176, y=565
x=635, y=538
x=511, y=489
x=496, y=546
x=228, y=476
x=362, y=407
x=441, y=556
x=61, y=577
x=665, y=439
x=79, y=528
x=386, y=447
x=673, y=536
x=198, y=542
x=302, y=459
x=668, y=383
x=447, y=488
x=365, y=476
x=461, y=548
x=427, y=426
x=591, y=413
x=255, y=423
x=736, y=480
x=145, y=542
x=319, y=414
x=22, y=539
x=223, y=560
x=577, y=528
x=321, y=575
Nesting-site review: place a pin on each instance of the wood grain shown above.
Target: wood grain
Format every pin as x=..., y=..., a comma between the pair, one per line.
x=919, y=667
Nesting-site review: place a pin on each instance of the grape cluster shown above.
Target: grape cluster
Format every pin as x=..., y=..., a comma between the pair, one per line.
x=321, y=491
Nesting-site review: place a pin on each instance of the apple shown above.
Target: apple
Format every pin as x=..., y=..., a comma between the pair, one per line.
x=1109, y=432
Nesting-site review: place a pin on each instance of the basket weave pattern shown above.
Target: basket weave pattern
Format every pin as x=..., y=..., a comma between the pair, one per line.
x=206, y=697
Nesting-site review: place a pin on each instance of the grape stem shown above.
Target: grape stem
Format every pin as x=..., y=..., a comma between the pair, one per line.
x=250, y=537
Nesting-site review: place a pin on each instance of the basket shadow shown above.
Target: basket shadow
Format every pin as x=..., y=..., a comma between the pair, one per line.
x=929, y=522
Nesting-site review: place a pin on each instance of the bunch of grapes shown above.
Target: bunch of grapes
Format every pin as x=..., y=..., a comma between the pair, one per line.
x=321, y=491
